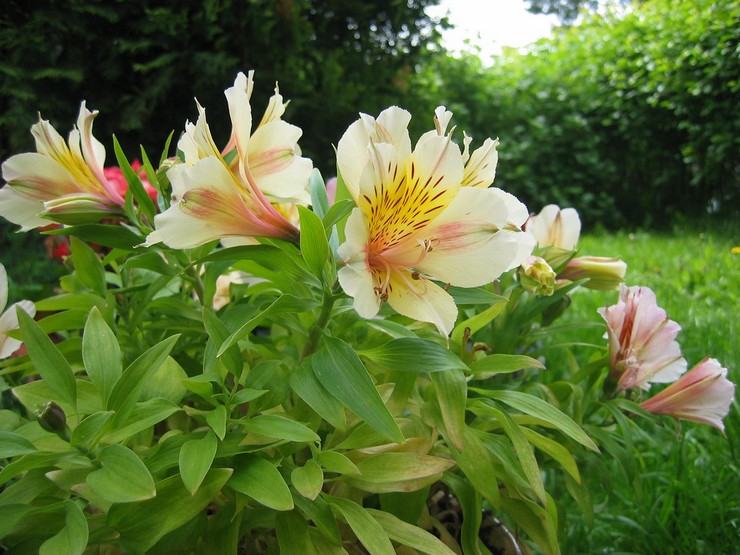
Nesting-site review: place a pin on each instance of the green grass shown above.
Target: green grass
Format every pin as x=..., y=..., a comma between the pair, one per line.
x=683, y=497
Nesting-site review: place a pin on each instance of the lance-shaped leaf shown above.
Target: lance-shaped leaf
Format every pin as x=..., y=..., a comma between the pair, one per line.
x=261, y=481
x=126, y=391
x=503, y=364
x=451, y=390
x=141, y=525
x=341, y=372
x=195, y=460
x=529, y=404
x=413, y=354
x=88, y=267
x=292, y=533
x=72, y=539
x=308, y=387
x=48, y=361
x=280, y=427
x=478, y=321
x=365, y=527
x=13, y=445
x=123, y=478
x=314, y=245
x=399, y=471
x=101, y=354
x=410, y=535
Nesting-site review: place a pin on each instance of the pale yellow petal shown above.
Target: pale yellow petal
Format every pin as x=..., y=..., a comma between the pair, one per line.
x=3, y=288
x=38, y=176
x=422, y=300
x=240, y=112
x=20, y=210
x=8, y=322
x=480, y=170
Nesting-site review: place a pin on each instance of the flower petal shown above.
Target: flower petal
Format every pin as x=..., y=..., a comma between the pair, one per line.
x=422, y=300
x=38, y=176
x=20, y=210
x=240, y=111
x=8, y=322
x=480, y=170
x=469, y=246
x=3, y=288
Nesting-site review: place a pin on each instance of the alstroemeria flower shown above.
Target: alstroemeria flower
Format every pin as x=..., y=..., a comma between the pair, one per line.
x=554, y=227
x=415, y=222
x=216, y=199
x=703, y=394
x=9, y=318
x=61, y=182
x=642, y=345
x=603, y=273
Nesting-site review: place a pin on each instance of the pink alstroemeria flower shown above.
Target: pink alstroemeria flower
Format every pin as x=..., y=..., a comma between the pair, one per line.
x=703, y=394
x=642, y=346
x=239, y=199
x=61, y=182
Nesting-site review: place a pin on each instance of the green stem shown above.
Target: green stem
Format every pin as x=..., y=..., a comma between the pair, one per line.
x=318, y=328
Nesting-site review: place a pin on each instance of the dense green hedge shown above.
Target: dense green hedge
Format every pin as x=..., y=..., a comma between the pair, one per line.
x=634, y=120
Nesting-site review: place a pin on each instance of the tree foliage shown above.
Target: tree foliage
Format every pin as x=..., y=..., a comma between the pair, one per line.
x=631, y=119
x=141, y=63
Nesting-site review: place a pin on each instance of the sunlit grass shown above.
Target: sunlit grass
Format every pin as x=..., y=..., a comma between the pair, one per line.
x=683, y=499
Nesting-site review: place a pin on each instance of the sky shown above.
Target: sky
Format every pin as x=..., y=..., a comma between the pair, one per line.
x=491, y=24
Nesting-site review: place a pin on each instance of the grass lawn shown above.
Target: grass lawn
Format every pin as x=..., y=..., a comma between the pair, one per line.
x=683, y=497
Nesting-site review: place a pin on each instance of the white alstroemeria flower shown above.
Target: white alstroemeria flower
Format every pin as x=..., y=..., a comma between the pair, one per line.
x=554, y=227
x=243, y=198
x=9, y=318
x=61, y=182
x=415, y=222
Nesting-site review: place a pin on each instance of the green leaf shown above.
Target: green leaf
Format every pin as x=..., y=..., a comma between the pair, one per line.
x=451, y=390
x=261, y=481
x=524, y=452
x=338, y=211
x=471, y=504
x=477, y=464
x=134, y=182
x=88, y=432
x=413, y=354
x=314, y=246
x=268, y=256
x=280, y=427
x=529, y=404
x=319, y=512
x=284, y=303
x=217, y=419
x=141, y=525
x=307, y=386
x=101, y=354
x=308, y=479
x=128, y=387
x=49, y=362
x=539, y=523
x=218, y=332
x=365, y=527
x=166, y=382
x=475, y=295
x=410, y=535
x=398, y=471
x=556, y=451
x=478, y=321
x=337, y=462
x=143, y=416
x=195, y=460
x=319, y=199
x=292, y=533
x=123, y=479
x=88, y=267
x=503, y=364
x=12, y=445
x=341, y=372
x=113, y=236
x=72, y=539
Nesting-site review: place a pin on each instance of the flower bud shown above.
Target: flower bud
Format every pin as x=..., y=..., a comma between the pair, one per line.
x=79, y=208
x=51, y=418
x=602, y=273
x=536, y=276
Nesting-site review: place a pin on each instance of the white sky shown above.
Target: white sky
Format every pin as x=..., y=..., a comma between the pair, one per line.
x=491, y=24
